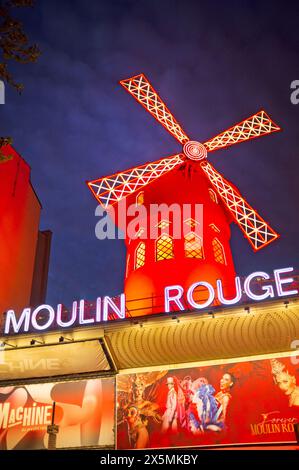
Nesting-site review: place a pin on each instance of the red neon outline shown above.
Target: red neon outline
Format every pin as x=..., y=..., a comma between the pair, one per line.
x=89, y=183
x=134, y=78
x=246, y=139
x=274, y=234
x=125, y=84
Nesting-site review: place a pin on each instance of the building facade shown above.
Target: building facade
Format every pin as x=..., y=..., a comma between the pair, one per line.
x=193, y=379
x=24, y=252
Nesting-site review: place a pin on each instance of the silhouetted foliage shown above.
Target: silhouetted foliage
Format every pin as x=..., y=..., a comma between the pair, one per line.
x=14, y=43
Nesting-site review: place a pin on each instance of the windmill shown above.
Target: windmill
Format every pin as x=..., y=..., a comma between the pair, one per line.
x=208, y=256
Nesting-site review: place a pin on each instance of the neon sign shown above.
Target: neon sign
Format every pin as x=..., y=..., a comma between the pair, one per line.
x=30, y=319
x=173, y=294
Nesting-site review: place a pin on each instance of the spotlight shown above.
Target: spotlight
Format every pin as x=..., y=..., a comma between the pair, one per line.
x=63, y=338
x=33, y=341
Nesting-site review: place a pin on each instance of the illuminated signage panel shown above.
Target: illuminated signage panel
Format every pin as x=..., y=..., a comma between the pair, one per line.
x=84, y=413
x=243, y=402
x=45, y=317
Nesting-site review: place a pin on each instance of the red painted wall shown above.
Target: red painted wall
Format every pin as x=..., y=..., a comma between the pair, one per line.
x=19, y=223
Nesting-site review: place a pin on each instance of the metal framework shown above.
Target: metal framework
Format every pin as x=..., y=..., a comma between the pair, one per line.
x=110, y=190
x=141, y=89
x=254, y=227
x=257, y=125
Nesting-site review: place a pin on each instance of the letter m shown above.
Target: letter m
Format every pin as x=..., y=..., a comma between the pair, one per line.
x=17, y=324
x=4, y=414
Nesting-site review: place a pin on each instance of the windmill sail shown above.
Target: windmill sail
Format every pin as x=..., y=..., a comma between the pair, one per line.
x=255, y=126
x=254, y=227
x=141, y=89
x=111, y=189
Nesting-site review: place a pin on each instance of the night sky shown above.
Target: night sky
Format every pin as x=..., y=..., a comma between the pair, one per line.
x=214, y=64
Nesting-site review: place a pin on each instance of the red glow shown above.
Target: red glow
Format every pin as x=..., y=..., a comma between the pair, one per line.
x=175, y=187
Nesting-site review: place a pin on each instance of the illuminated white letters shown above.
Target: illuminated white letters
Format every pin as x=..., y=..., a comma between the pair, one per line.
x=210, y=298
x=71, y=320
x=99, y=309
x=279, y=282
x=231, y=301
x=173, y=300
x=269, y=292
x=16, y=325
x=35, y=313
x=176, y=298
x=82, y=319
x=120, y=312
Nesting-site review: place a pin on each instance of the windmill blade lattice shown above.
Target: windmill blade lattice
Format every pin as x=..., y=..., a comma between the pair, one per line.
x=255, y=228
x=257, y=125
x=111, y=189
x=141, y=89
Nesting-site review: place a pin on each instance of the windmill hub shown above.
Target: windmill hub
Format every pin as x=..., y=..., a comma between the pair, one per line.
x=195, y=150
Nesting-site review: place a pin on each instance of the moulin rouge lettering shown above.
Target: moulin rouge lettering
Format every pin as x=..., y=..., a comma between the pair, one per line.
x=273, y=425
x=174, y=294
x=44, y=317
x=28, y=416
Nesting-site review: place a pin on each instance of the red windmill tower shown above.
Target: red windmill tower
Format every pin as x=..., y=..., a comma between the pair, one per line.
x=185, y=178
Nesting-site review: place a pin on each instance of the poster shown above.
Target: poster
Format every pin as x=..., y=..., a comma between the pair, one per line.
x=236, y=403
x=84, y=413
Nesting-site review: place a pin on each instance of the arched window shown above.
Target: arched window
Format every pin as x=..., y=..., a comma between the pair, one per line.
x=218, y=250
x=140, y=255
x=193, y=246
x=140, y=198
x=213, y=196
x=164, y=248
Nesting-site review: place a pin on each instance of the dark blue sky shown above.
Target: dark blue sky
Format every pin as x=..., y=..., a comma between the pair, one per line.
x=214, y=63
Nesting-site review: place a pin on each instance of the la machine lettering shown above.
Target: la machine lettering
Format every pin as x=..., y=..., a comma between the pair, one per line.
x=29, y=416
x=30, y=319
